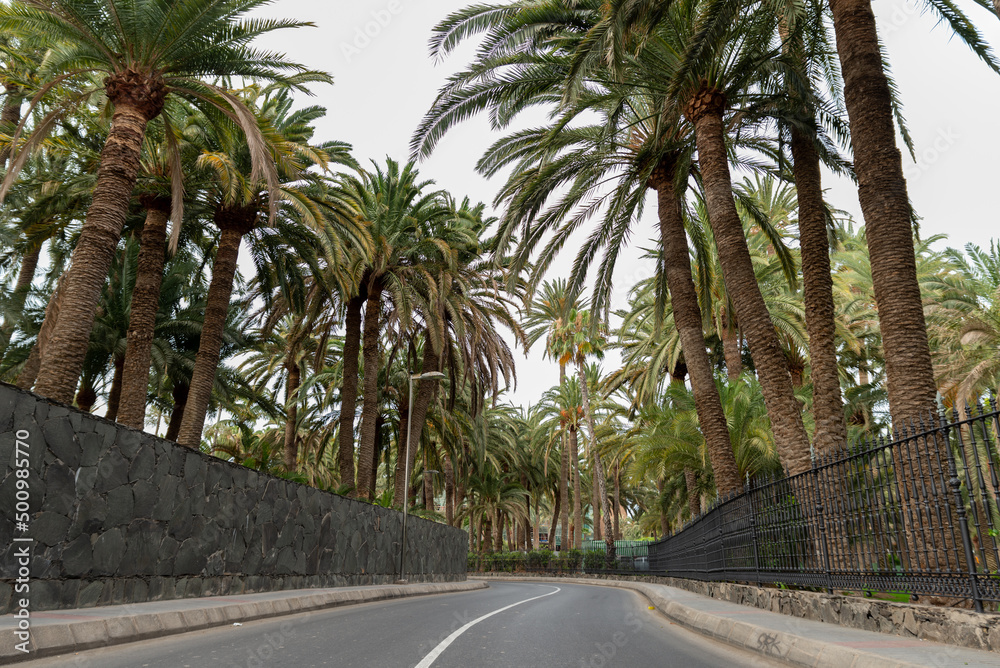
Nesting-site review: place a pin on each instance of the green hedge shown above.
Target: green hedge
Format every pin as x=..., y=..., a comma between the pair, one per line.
x=514, y=562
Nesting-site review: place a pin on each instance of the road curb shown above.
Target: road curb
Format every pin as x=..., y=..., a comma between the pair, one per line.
x=76, y=636
x=792, y=649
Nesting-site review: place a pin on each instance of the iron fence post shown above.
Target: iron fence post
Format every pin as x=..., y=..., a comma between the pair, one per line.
x=963, y=522
x=753, y=529
x=822, y=530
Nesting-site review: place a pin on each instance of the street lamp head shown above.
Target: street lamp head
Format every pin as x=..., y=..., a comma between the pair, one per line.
x=430, y=375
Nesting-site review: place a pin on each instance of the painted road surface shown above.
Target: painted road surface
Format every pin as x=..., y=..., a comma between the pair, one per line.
x=509, y=625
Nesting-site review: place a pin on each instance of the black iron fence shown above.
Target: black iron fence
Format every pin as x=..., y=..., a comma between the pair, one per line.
x=915, y=515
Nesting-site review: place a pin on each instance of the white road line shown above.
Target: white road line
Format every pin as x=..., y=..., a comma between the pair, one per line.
x=443, y=645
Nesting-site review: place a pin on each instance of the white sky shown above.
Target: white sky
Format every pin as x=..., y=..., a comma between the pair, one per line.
x=385, y=81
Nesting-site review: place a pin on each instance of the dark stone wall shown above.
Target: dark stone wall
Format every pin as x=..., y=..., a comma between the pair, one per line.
x=119, y=516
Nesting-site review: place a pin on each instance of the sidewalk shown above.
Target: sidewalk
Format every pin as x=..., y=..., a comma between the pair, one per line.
x=798, y=642
x=63, y=631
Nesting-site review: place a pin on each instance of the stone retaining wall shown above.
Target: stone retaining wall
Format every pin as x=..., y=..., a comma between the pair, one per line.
x=117, y=515
x=940, y=624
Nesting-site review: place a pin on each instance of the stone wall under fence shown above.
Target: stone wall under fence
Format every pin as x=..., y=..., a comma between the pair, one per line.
x=115, y=515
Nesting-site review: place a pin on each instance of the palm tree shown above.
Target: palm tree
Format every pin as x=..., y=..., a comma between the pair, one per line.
x=807, y=48
x=239, y=201
x=158, y=169
x=968, y=336
x=578, y=344
x=400, y=212
x=884, y=200
x=146, y=50
x=639, y=145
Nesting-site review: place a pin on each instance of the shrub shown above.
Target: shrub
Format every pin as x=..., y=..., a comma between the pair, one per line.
x=593, y=560
x=539, y=558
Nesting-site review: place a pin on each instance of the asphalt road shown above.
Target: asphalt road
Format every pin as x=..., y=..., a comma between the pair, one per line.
x=508, y=625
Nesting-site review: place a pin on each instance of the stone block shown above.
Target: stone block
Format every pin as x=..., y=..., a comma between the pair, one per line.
x=91, y=447
x=120, y=506
x=60, y=438
x=78, y=556
x=89, y=634
x=143, y=464
x=145, y=496
x=195, y=468
x=190, y=559
x=86, y=477
x=108, y=550
x=112, y=471
x=128, y=442
x=142, y=552
x=49, y=528
x=50, y=637
x=8, y=401
x=90, y=594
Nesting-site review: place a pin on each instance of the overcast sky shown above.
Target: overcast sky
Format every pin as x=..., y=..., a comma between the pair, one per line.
x=376, y=51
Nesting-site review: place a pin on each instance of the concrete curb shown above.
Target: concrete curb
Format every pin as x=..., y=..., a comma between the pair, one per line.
x=115, y=629
x=783, y=646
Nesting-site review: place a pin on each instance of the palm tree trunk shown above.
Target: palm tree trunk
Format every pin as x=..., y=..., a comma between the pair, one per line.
x=687, y=319
x=180, y=396
x=115, y=393
x=425, y=390
x=26, y=274
x=460, y=483
x=142, y=313
x=11, y=115
x=369, y=406
x=732, y=351
x=791, y=440
x=886, y=208
x=574, y=455
x=449, y=490
x=664, y=522
x=526, y=537
x=618, y=501
x=234, y=224
x=557, y=507
x=428, y=484
x=564, y=492
x=26, y=379
x=694, y=499
x=379, y=449
x=536, y=538
x=292, y=413
x=63, y=357
x=817, y=281
x=349, y=390
x=601, y=484
x=29, y=372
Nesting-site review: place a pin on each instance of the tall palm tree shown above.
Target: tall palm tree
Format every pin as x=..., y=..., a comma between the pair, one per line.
x=578, y=344
x=399, y=211
x=240, y=202
x=146, y=50
x=725, y=52
x=884, y=200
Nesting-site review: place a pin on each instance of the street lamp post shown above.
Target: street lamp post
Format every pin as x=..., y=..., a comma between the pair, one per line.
x=430, y=375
